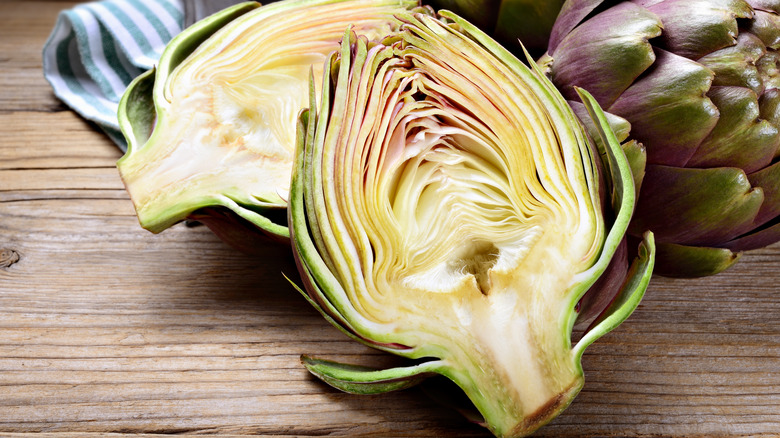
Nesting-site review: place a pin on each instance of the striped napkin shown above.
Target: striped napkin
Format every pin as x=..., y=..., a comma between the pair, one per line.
x=96, y=49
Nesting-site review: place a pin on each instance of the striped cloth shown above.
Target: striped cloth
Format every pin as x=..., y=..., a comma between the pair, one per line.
x=97, y=48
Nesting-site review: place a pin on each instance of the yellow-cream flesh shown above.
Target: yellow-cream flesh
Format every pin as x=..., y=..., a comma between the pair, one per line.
x=471, y=230
x=226, y=127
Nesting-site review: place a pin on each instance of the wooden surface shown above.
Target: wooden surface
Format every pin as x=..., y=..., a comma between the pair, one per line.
x=105, y=327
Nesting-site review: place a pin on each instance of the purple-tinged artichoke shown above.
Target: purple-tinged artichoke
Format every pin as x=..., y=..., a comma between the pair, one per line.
x=211, y=131
x=446, y=207
x=698, y=82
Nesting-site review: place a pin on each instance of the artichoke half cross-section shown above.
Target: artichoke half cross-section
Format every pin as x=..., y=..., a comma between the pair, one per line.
x=211, y=131
x=445, y=207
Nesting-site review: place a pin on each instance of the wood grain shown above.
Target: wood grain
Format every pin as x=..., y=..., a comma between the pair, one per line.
x=108, y=330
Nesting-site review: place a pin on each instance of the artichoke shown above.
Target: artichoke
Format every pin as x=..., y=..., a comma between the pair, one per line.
x=446, y=207
x=211, y=130
x=698, y=82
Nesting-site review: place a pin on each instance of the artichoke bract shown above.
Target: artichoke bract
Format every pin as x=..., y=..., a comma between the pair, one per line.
x=211, y=131
x=445, y=207
x=697, y=81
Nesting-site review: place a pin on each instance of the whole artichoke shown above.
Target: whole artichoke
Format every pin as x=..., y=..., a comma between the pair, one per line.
x=446, y=207
x=698, y=82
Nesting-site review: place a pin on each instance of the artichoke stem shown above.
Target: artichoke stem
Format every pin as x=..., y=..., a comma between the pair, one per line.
x=517, y=401
x=520, y=371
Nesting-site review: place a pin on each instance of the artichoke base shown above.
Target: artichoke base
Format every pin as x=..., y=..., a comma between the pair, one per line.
x=547, y=412
x=519, y=378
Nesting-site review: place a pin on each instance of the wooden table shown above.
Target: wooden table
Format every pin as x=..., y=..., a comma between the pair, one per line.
x=105, y=327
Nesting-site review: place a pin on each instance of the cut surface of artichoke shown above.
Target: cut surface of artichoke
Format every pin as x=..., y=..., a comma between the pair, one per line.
x=445, y=206
x=224, y=133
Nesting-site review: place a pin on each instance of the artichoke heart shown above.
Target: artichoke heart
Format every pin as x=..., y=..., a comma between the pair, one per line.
x=212, y=129
x=445, y=207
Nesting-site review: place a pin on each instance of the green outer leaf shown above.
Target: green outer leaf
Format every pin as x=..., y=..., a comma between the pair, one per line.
x=635, y=152
x=262, y=222
x=692, y=261
x=766, y=25
x=768, y=179
x=627, y=299
x=317, y=257
x=623, y=202
x=736, y=65
x=637, y=159
x=763, y=236
x=693, y=28
x=769, y=101
x=619, y=125
x=357, y=379
x=739, y=129
x=312, y=267
x=136, y=113
x=571, y=14
x=306, y=157
x=711, y=205
x=623, y=190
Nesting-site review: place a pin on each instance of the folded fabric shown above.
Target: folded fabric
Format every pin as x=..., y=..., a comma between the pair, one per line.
x=195, y=10
x=96, y=49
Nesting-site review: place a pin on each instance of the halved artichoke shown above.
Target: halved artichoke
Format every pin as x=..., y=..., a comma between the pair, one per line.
x=445, y=207
x=211, y=131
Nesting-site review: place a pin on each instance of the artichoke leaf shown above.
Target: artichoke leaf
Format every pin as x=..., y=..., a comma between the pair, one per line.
x=670, y=112
x=711, y=204
x=768, y=179
x=694, y=28
x=137, y=115
x=627, y=299
x=365, y=380
x=570, y=15
x=739, y=128
x=625, y=30
x=694, y=261
x=736, y=65
x=758, y=238
x=766, y=25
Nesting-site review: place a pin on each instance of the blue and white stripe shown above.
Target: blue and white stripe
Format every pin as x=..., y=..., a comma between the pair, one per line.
x=96, y=49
